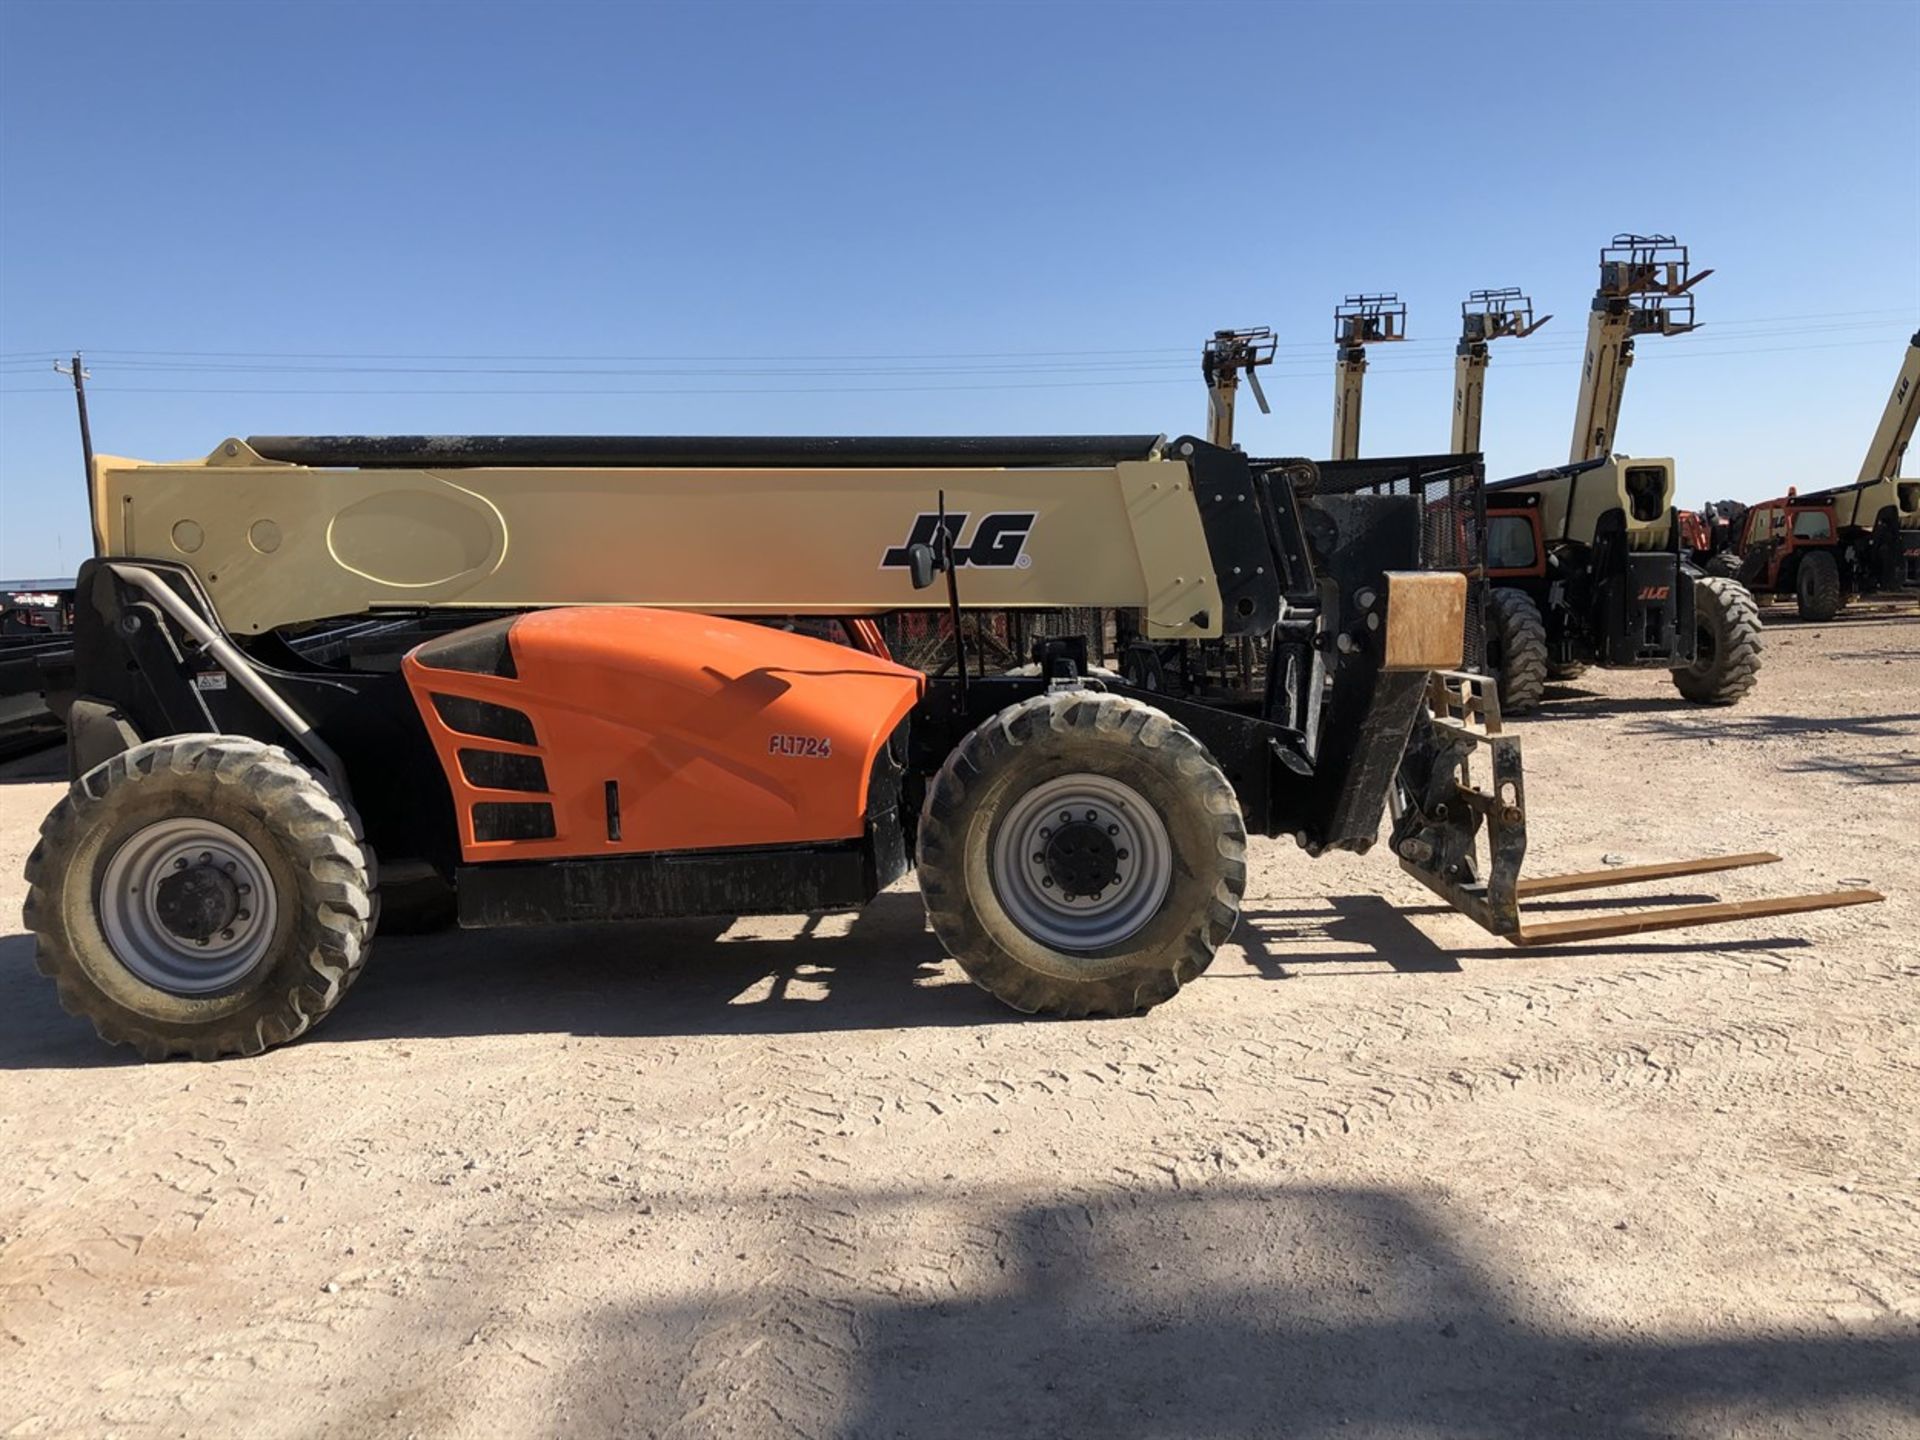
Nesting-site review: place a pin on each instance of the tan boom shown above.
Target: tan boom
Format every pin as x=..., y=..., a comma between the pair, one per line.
x=278, y=543
x=1359, y=321
x=1645, y=289
x=1485, y=315
x=1895, y=431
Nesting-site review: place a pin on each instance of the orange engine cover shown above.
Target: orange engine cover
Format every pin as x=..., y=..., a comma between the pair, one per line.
x=613, y=731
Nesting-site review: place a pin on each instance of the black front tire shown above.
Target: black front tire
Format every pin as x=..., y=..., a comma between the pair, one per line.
x=301, y=834
x=1517, y=650
x=1726, y=565
x=1816, y=587
x=1727, y=643
x=1060, y=736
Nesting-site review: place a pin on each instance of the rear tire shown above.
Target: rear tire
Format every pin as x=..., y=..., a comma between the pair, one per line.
x=1726, y=565
x=1517, y=650
x=1727, y=643
x=1817, y=587
x=199, y=895
x=1161, y=865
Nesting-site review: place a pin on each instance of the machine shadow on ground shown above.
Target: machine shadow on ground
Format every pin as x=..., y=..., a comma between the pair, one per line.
x=1885, y=770
x=1563, y=700
x=878, y=968
x=37, y=766
x=1356, y=934
x=1866, y=613
x=1737, y=725
x=1230, y=1311
x=1901, y=768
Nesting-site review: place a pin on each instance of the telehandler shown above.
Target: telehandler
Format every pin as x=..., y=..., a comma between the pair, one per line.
x=1587, y=562
x=598, y=706
x=1823, y=547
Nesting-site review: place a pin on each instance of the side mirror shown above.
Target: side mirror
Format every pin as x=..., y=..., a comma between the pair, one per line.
x=920, y=565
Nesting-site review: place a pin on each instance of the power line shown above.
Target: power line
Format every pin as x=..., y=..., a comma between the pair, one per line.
x=1853, y=319
x=805, y=390
x=711, y=369
x=736, y=354
x=1174, y=373
x=1181, y=379
x=149, y=367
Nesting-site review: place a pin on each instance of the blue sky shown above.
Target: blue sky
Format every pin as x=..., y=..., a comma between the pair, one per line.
x=1053, y=204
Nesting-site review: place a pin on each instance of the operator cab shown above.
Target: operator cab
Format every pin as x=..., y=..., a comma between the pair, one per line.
x=1514, y=544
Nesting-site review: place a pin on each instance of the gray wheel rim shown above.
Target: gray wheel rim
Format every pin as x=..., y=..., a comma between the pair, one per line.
x=1114, y=815
x=130, y=906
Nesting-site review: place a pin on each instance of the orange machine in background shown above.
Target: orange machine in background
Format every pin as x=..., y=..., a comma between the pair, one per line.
x=584, y=732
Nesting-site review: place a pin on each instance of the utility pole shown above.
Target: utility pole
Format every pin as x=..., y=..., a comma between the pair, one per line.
x=1485, y=315
x=1221, y=360
x=1644, y=285
x=1362, y=320
x=79, y=374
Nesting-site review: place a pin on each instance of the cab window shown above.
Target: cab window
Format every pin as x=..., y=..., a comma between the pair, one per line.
x=1510, y=542
x=1812, y=525
x=1757, y=524
x=1647, y=492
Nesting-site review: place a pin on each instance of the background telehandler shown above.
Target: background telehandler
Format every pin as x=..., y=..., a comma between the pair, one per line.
x=1823, y=547
x=1587, y=562
x=1485, y=316
x=1358, y=321
x=579, y=715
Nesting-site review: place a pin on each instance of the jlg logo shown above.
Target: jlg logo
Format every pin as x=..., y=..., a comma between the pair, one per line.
x=1655, y=592
x=802, y=747
x=999, y=540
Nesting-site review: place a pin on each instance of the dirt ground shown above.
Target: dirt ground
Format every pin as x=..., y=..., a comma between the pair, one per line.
x=1372, y=1175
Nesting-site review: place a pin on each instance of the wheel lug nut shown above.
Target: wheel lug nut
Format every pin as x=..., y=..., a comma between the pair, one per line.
x=246, y=889
x=203, y=944
x=1038, y=858
x=226, y=934
x=1096, y=895
x=1047, y=880
x=244, y=915
x=205, y=856
x=1066, y=817
x=1045, y=833
x=180, y=864
x=1091, y=814
x=1113, y=829
x=1119, y=854
x=229, y=867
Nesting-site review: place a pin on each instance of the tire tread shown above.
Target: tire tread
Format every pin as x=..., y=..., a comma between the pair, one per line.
x=1737, y=665
x=319, y=834
x=995, y=743
x=1523, y=650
